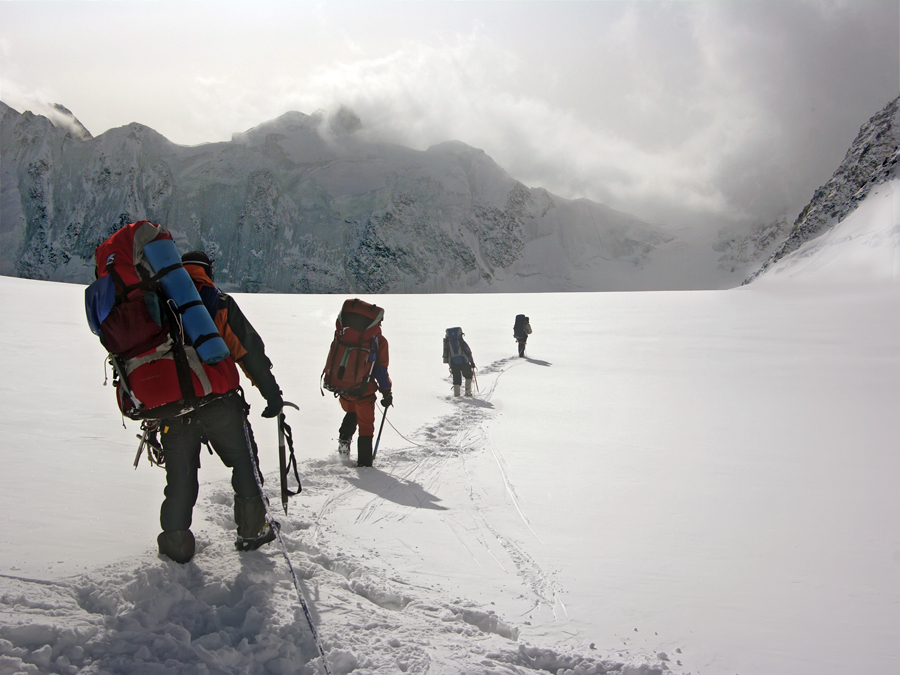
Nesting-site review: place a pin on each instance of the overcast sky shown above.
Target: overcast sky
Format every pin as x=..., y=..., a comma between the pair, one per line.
x=681, y=113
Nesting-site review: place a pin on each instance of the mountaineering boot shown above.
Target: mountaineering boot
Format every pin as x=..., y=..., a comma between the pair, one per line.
x=178, y=545
x=344, y=446
x=253, y=530
x=249, y=514
x=469, y=387
x=364, y=451
x=267, y=534
x=456, y=390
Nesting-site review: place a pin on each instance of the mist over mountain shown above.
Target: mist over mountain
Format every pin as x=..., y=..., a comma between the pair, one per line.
x=305, y=203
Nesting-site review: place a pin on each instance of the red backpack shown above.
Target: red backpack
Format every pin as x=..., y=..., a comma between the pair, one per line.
x=354, y=349
x=157, y=375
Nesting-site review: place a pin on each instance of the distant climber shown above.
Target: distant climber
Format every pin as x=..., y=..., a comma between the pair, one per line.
x=521, y=331
x=458, y=356
x=356, y=370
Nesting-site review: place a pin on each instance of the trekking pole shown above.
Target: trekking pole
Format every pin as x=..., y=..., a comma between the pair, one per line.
x=282, y=458
x=383, y=418
x=475, y=377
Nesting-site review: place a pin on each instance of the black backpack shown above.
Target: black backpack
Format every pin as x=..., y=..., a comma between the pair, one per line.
x=453, y=347
x=522, y=325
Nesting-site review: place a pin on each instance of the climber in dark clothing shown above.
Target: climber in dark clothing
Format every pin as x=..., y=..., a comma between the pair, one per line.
x=521, y=331
x=221, y=421
x=458, y=355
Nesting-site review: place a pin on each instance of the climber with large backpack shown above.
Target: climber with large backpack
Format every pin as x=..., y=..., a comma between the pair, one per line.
x=355, y=371
x=458, y=356
x=521, y=331
x=174, y=341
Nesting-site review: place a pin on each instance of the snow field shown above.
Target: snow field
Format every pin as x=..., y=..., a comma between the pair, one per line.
x=696, y=481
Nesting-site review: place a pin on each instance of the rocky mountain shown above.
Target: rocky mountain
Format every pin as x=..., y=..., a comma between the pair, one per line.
x=305, y=203
x=870, y=162
x=747, y=248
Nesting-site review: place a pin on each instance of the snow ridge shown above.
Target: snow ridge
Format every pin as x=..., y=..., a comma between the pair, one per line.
x=870, y=161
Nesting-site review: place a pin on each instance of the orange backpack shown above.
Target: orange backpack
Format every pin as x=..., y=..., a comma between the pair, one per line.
x=354, y=349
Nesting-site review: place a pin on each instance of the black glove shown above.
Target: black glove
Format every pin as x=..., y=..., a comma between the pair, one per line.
x=273, y=407
x=387, y=398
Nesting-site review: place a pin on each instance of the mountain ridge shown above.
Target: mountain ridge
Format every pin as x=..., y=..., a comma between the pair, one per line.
x=307, y=203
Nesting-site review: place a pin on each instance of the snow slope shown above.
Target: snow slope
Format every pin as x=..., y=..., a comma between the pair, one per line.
x=870, y=162
x=863, y=248
x=697, y=482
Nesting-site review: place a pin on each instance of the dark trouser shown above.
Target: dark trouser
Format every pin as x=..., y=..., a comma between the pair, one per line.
x=364, y=451
x=522, y=340
x=221, y=422
x=459, y=371
x=348, y=426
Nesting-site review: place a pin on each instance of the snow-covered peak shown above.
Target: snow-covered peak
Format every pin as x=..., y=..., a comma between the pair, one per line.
x=58, y=115
x=63, y=118
x=457, y=148
x=289, y=123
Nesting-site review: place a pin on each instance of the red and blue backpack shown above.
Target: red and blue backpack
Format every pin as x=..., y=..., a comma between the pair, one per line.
x=165, y=350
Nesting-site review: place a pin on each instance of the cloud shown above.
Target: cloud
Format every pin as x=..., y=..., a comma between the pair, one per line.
x=682, y=113
x=685, y=113
x=425, y=94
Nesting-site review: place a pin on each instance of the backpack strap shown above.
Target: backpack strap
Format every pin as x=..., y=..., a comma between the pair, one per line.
x=122, y=290
x=165, y=270
x=182, y=364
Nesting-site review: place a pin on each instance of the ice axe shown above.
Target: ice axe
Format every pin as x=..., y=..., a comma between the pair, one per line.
x=150, y=441
x=283, y=463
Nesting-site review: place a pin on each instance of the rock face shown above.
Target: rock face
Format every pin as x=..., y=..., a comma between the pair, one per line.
x=870, y=161
x=306, y=204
